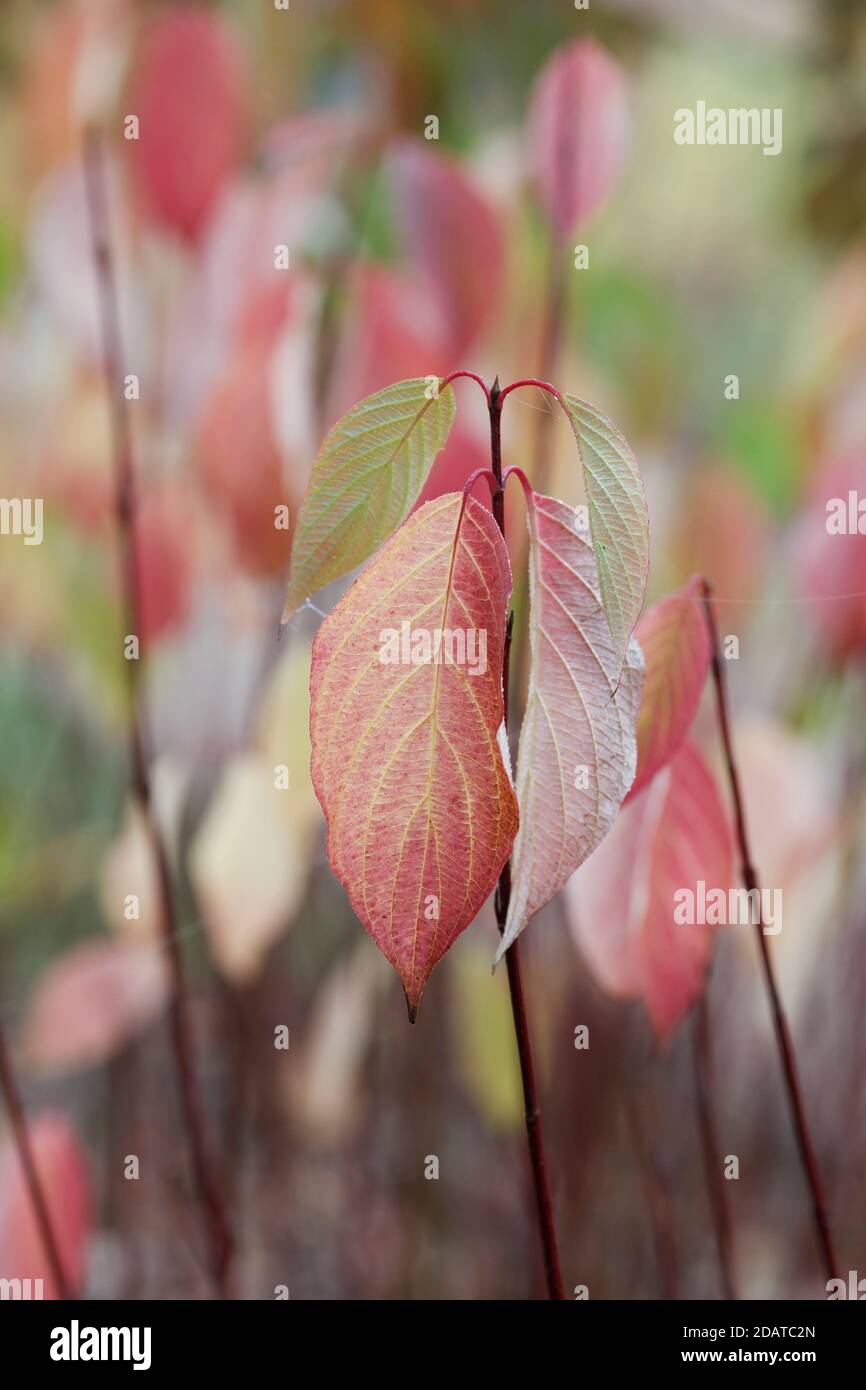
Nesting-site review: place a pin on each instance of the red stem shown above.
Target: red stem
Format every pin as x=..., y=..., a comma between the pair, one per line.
x=125, y=508
x=546, y=1226
x=783, y=1037
x=531, y=381
x=12, y=1097
x=472, y=376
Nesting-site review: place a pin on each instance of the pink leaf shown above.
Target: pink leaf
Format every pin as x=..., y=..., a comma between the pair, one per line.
x=453, y=239
x=62, y=1167
x=92, y=1001
x=577, y=133
x=721, y=528
x=392, y=334
x=242, y=465
x=675, y=833
x=188, y=92
x=676, y=646
x=163, y=559
x=830, y=553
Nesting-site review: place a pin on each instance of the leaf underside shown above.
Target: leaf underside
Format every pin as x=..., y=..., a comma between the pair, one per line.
x=577, y=752
x=617, y=517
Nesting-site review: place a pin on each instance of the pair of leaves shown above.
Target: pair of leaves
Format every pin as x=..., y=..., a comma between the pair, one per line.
x=408, y=757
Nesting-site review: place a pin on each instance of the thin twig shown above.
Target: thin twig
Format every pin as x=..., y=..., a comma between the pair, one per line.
x=546, y=1225
x=12, y=1097
x=783, y=1037
x=703, y=1060
x=125, y=509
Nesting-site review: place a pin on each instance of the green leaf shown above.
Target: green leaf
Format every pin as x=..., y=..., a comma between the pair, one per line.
x=368, y=473
x=617, y=518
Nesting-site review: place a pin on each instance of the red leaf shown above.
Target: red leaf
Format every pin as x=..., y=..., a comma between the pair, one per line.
x=188, y=92
x=392, y=334
x=242, y=466
x=676, y=646
x=675, y=833
x=163, y=561
x=62, y=1167
x=577, y=132
x=407, y=759
x=453, y=238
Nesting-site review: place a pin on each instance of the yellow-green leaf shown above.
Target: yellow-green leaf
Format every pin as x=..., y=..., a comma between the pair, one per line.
x=617, y=518
x=368, y=473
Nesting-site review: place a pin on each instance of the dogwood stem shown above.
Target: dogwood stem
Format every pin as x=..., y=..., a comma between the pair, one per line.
x=125, y=511
x=546, y=1226
x=783, y=1037
x=12, y=1097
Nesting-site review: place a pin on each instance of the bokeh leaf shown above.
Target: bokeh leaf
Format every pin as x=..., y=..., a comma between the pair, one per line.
x=188, y=91
x=578, y=123
x=91, y=1001
x=453, y=238
x=407, y=761
x=622, y=904
x=675, y=642
x=63, y=1170
x=248, y=866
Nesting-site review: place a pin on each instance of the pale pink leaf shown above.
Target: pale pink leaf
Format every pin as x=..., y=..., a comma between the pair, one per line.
x=452, y=236
x=578, y=750
x=675, y=642
x=622, y=903
x=578, y=123
x=829, y=550
x=92, y=1001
